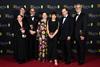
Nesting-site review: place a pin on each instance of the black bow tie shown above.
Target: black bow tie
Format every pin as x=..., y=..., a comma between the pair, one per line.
x=77, y=14
x=64, y=17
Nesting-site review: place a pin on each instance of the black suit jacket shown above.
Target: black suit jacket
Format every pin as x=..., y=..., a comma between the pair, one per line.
x=66, y=28
x=80, y=25
x=33, y=23
x=16, y=29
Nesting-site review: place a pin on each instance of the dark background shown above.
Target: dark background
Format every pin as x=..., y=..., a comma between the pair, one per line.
x=9, y=10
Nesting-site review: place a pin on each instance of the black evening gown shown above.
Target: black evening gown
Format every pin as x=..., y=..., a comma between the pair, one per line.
x=52, y=43
x=20, y=43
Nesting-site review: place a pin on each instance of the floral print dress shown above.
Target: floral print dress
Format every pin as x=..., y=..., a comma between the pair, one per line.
x=42, y=38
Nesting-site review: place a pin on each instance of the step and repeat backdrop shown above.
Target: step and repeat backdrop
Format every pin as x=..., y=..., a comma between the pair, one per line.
x=9, y=9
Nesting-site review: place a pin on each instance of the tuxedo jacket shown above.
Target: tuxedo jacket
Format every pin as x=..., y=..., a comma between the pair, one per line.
x=80, y=25
x=34, y=22
x=66, y=28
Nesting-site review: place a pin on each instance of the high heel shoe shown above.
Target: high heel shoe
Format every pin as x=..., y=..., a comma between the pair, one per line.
x=55, y=63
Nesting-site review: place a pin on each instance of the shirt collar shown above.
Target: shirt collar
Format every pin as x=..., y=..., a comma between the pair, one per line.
x=66, y=16
x=79, y=13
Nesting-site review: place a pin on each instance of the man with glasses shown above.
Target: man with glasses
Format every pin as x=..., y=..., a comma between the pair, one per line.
x=80, y=32
x=33, y=22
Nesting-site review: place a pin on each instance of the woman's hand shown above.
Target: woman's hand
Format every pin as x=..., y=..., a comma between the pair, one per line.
x=22, y=30
x=32, y=32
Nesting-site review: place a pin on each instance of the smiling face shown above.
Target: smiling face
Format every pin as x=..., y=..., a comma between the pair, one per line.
x=32, y=11
x=53, y=16
x=78, y=8
x=22, y=11
x=44, y=15
x=19, y=18
x=64, y=12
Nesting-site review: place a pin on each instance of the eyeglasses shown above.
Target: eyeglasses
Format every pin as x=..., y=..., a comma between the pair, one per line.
x=32, y=11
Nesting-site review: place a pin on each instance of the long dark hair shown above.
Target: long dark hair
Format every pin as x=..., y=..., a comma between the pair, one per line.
x=42, y=14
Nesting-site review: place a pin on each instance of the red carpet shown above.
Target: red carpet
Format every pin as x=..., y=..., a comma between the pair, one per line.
x=91, y=61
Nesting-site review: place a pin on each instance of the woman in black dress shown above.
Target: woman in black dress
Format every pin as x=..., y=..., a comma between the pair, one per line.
x=52, y=30
x=20, y=40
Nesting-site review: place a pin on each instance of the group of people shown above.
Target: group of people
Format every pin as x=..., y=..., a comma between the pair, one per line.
x=37, y=36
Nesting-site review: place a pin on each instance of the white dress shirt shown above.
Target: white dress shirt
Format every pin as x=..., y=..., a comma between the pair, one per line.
x=77, y=16
x=32, y=18
x=64, y=19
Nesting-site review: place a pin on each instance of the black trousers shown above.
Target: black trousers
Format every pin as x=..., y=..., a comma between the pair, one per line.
x=66, y=48
x=81, y=50
x=33, y=47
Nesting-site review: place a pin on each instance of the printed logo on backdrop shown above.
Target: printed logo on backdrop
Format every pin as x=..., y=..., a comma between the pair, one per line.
x=7, y=13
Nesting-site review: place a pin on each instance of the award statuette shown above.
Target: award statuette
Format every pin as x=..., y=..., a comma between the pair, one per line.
x=23, y=32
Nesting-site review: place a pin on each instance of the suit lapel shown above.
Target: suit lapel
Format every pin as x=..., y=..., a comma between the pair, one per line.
x=79, y=17
x=64, y=21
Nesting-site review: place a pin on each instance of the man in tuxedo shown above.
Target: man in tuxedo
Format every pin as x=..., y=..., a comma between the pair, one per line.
x=80, y=32
x=33, y=22
x=66, y=26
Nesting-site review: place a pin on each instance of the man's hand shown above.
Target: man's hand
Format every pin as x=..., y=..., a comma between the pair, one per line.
x=82, y=37
x=68, y=38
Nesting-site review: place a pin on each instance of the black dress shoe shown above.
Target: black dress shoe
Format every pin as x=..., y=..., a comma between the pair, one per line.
x=69, y=62
x=21, y=62
x=81, y=62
